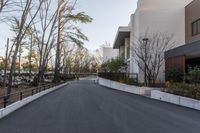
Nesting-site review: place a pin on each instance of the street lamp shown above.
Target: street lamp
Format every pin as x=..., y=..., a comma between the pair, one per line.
x=145, y=41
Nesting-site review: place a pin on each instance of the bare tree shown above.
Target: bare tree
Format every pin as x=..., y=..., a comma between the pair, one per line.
x=46, y=42
x=67, y=51
x=149, y=54
x=68, y=31
x=24, y=22
x=61, y=10
x=30, y=35
x=6, y=65
x=3, y=3
x=31, y=40
x=77, y=59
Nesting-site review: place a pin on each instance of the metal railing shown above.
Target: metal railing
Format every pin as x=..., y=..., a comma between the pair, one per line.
x=18, y=96
x=127, y=78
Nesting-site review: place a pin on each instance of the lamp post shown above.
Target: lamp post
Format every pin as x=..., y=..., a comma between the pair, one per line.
x=145, y=41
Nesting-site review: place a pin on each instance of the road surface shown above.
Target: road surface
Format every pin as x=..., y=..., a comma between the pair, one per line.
x=85, y=107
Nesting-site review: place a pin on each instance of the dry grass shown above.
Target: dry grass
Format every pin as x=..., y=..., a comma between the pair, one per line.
x=16, y=90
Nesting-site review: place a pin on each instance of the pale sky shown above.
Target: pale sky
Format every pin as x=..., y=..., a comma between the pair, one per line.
x=108, y=15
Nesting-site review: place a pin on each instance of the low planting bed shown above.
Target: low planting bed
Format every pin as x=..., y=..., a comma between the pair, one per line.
x=125, y=78
x=184, y=89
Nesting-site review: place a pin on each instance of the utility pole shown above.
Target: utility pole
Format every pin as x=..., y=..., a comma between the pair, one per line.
x=6, y=64
x=145, y=41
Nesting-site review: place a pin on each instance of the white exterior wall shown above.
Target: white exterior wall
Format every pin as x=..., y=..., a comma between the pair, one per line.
x=134, y=30
x=158, y=16
x=161, y=16
x=110, y=53
x=121, y=51
x=127, y=44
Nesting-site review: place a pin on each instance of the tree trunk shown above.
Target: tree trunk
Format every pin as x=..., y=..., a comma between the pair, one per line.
x=58, y=52
x=13, y=64
x=30, y=54
x=20, y=51
x=6, y=65
x=17, y=45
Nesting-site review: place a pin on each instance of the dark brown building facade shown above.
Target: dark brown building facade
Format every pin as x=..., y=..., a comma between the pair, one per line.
x=192, y=21
x=187, y=55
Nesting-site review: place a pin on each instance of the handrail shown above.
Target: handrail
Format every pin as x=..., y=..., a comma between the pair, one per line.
x=18, y=96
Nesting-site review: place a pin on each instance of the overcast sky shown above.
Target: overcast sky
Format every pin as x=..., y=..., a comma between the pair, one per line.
x=108, y=15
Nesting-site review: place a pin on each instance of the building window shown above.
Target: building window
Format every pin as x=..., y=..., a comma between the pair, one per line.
x=199, y=26
x=196, y=28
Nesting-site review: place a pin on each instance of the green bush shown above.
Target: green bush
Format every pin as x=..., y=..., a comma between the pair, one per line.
x=2, y=65
x=132, y=81
x=193, y=75
x=174, y=75
x=113, y=65
x=190, y=89
x=184, y=89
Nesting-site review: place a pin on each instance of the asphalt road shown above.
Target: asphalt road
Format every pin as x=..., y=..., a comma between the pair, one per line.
x=85, y=107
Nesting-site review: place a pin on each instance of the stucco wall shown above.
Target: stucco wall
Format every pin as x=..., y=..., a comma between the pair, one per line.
x=134, y=30
x=192, y=12
x=159, y=16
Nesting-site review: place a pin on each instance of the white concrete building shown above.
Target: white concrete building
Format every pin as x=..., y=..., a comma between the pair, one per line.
x=110, y=53
x=152, y=16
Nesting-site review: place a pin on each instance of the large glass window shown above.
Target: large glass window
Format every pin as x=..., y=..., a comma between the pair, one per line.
x=196, y=28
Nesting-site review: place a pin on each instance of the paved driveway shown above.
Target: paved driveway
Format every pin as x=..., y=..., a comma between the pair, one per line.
x=85, y=107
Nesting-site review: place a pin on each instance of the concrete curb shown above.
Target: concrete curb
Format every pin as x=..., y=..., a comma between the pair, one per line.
x=175, y=99
x=123, y=87
x=13, y=107
x=154, y=93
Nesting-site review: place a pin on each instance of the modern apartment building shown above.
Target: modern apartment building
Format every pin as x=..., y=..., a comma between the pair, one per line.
x=151, y=16
x=122, y=42
x=189, y=54
x=192, y=14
